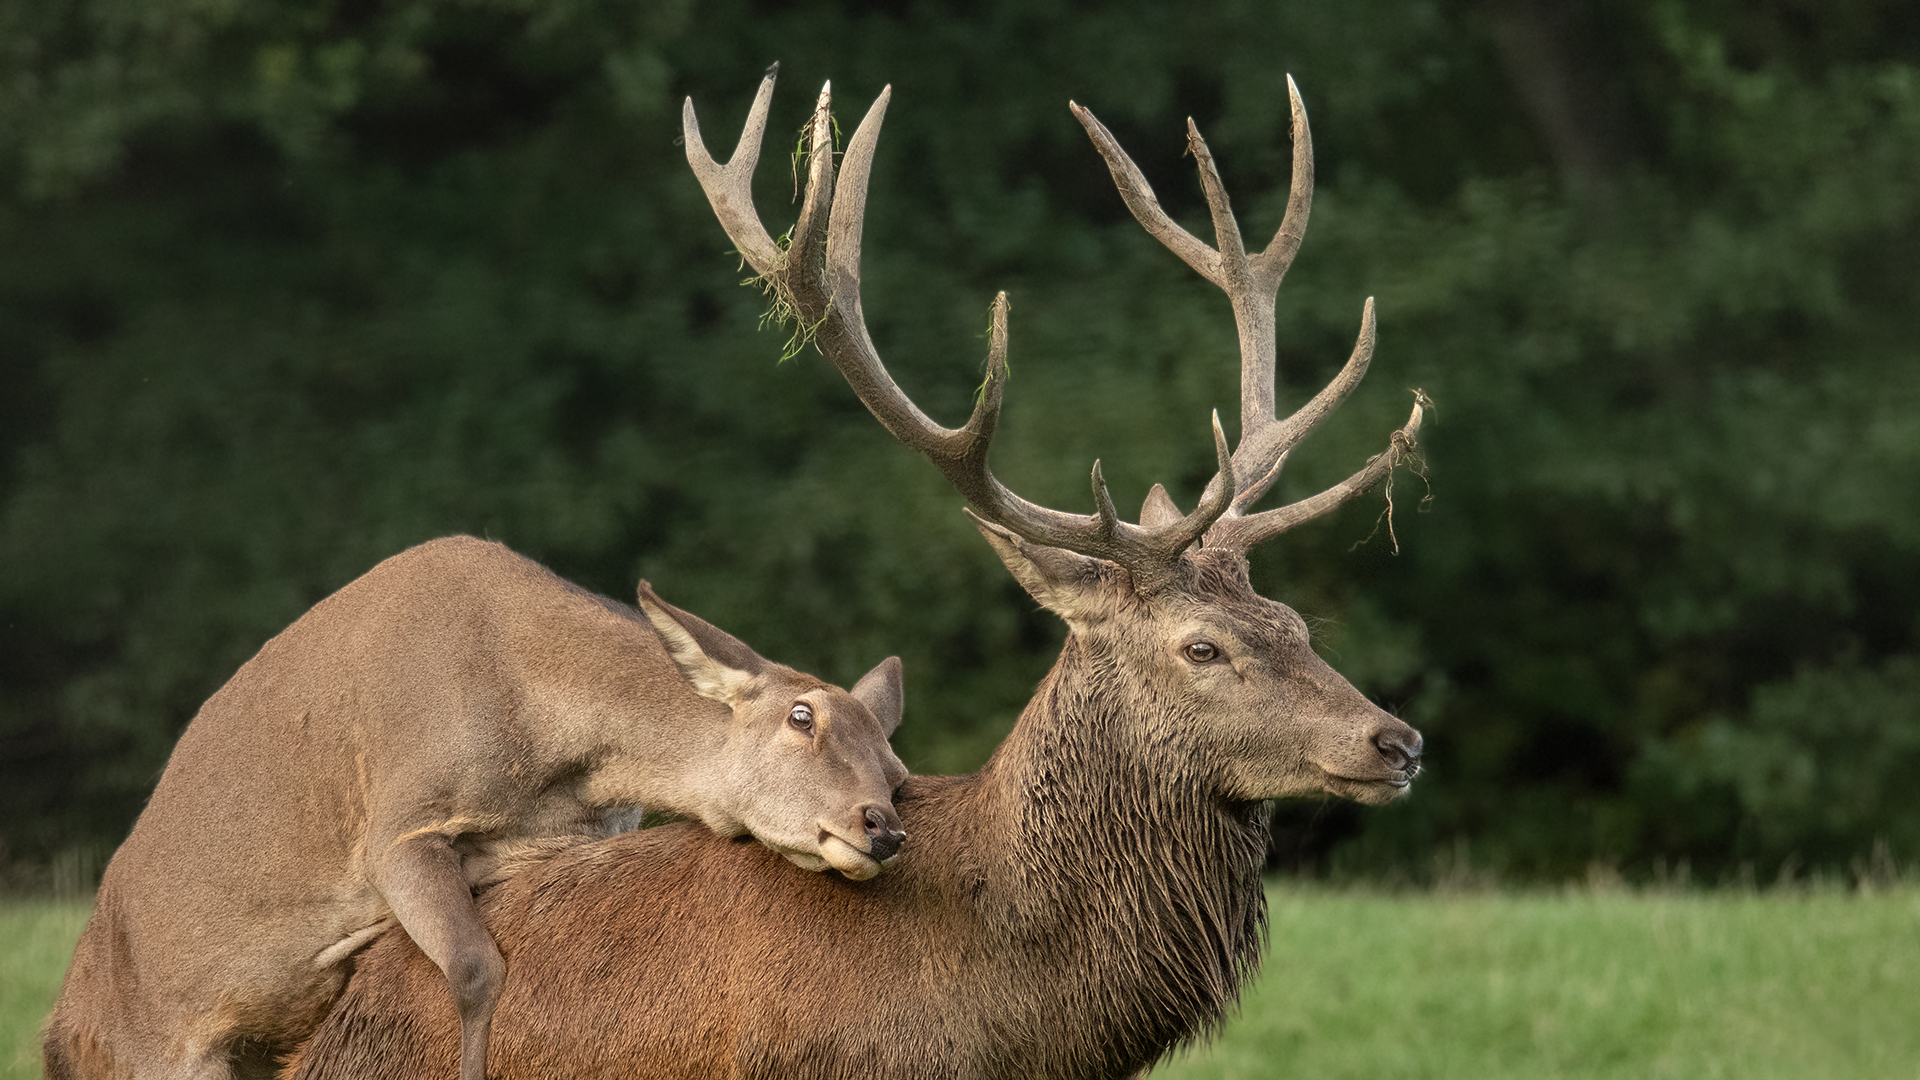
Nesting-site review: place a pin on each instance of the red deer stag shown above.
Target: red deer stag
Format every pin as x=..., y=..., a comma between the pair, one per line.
x=457, y=706
x=1088, y=899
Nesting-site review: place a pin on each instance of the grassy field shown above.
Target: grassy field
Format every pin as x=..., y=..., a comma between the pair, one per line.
x=1476, y=986
x=1695, y=986
x=36, y=938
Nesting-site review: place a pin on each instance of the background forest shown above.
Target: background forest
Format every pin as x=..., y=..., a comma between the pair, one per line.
x=289, y=285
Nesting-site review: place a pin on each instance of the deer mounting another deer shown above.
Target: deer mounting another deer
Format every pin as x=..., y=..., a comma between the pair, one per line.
x=456, y=710
x=1088, y=899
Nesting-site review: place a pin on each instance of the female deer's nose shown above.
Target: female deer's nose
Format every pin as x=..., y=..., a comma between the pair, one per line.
x=883, y=832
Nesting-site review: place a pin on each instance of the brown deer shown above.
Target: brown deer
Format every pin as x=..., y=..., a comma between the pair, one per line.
x=1088, y=899
x=457, y=708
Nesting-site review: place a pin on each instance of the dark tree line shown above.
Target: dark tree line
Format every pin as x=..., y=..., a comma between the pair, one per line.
x=288, y=286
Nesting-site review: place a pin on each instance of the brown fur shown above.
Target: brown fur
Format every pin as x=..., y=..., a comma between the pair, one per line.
x=1086, y=901
x=456, y=710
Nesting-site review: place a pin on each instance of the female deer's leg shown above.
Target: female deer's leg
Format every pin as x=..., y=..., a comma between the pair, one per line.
x=420, y=877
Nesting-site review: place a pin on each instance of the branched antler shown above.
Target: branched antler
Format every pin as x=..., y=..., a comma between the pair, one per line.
x=818, y=276
x=1252, y=283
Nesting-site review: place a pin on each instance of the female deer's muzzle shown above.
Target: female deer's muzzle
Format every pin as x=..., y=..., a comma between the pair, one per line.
x=883, y=831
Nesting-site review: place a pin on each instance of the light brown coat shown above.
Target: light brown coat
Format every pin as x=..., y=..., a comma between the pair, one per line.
x=456, y=707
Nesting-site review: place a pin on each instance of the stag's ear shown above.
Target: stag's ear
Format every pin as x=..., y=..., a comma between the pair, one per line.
x=717, y=664
x=880, y=690
x=1079, y=588
x=1159, y=510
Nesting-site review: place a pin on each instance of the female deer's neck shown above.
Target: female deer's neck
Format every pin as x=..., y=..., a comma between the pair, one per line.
x=1124, y=870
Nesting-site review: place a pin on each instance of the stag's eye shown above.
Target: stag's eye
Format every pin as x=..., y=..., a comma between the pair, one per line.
x=802, y=717
x=1203, y=652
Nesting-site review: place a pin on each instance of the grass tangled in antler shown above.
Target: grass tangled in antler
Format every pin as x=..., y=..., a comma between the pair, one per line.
x=781, y=310
x=1403, y=451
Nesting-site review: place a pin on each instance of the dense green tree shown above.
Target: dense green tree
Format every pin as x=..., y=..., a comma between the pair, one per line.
x=290, y=286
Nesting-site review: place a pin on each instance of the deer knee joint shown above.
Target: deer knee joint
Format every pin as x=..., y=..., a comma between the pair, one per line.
x=475, y=976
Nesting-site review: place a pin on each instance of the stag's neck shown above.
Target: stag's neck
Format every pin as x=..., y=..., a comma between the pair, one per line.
x=1113, y=861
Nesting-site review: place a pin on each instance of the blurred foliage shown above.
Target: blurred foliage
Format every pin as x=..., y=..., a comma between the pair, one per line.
x=287, y=287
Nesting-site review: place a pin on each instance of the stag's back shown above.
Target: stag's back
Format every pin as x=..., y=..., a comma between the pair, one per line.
x=674, y=953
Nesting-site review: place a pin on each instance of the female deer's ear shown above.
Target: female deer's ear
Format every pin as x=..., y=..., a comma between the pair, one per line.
x=717, y=664
x=881, y=691
x=1079, y=588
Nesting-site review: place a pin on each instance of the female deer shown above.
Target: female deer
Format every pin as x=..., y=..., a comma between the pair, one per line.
x=453, y=708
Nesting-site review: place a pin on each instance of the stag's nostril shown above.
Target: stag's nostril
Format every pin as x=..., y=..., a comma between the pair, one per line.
x=1397, y=753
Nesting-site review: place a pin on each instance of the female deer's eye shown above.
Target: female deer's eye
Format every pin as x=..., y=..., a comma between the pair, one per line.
x=1201, y=652
x=801, y=717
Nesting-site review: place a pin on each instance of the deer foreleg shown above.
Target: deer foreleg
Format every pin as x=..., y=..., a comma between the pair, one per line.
x=423, y=884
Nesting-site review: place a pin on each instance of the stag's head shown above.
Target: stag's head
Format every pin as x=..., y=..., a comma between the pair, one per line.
x=1163, y=604
x=1206, y=667
x=804, y=765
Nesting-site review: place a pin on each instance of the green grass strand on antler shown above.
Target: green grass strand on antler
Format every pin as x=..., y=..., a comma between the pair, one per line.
x=980, y=392
x=781, y=310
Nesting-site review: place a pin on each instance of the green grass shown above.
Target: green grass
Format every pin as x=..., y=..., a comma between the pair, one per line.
x=1490, y=986
x=1478, y=986
x=36, y=940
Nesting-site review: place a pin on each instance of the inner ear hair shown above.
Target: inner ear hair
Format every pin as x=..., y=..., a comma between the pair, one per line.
x=1080, y=589
x=709, y=676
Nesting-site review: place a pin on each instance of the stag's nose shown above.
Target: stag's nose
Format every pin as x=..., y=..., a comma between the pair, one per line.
x=1399, y=747
x=883, y=831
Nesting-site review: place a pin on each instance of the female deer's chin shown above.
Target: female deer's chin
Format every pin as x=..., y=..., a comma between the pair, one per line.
x=805, y=860
x=853, y=864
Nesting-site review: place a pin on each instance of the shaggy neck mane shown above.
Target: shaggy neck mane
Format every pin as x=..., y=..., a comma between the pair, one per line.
x=1125, y=868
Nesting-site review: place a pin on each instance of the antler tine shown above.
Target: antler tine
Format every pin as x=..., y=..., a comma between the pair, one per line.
x=819, y=276
x=1243, y=532
x=730, y=187
x=810, y=229
x=1139, y=197
x=1226, y=231
x=1274, y=261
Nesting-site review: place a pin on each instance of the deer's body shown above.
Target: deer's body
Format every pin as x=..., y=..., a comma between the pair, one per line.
x=1086, y=901
x=457, y=706
x=1082, y=903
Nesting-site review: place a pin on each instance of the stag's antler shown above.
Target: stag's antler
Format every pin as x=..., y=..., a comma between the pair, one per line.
x=1252, y=283
x=817, y=275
